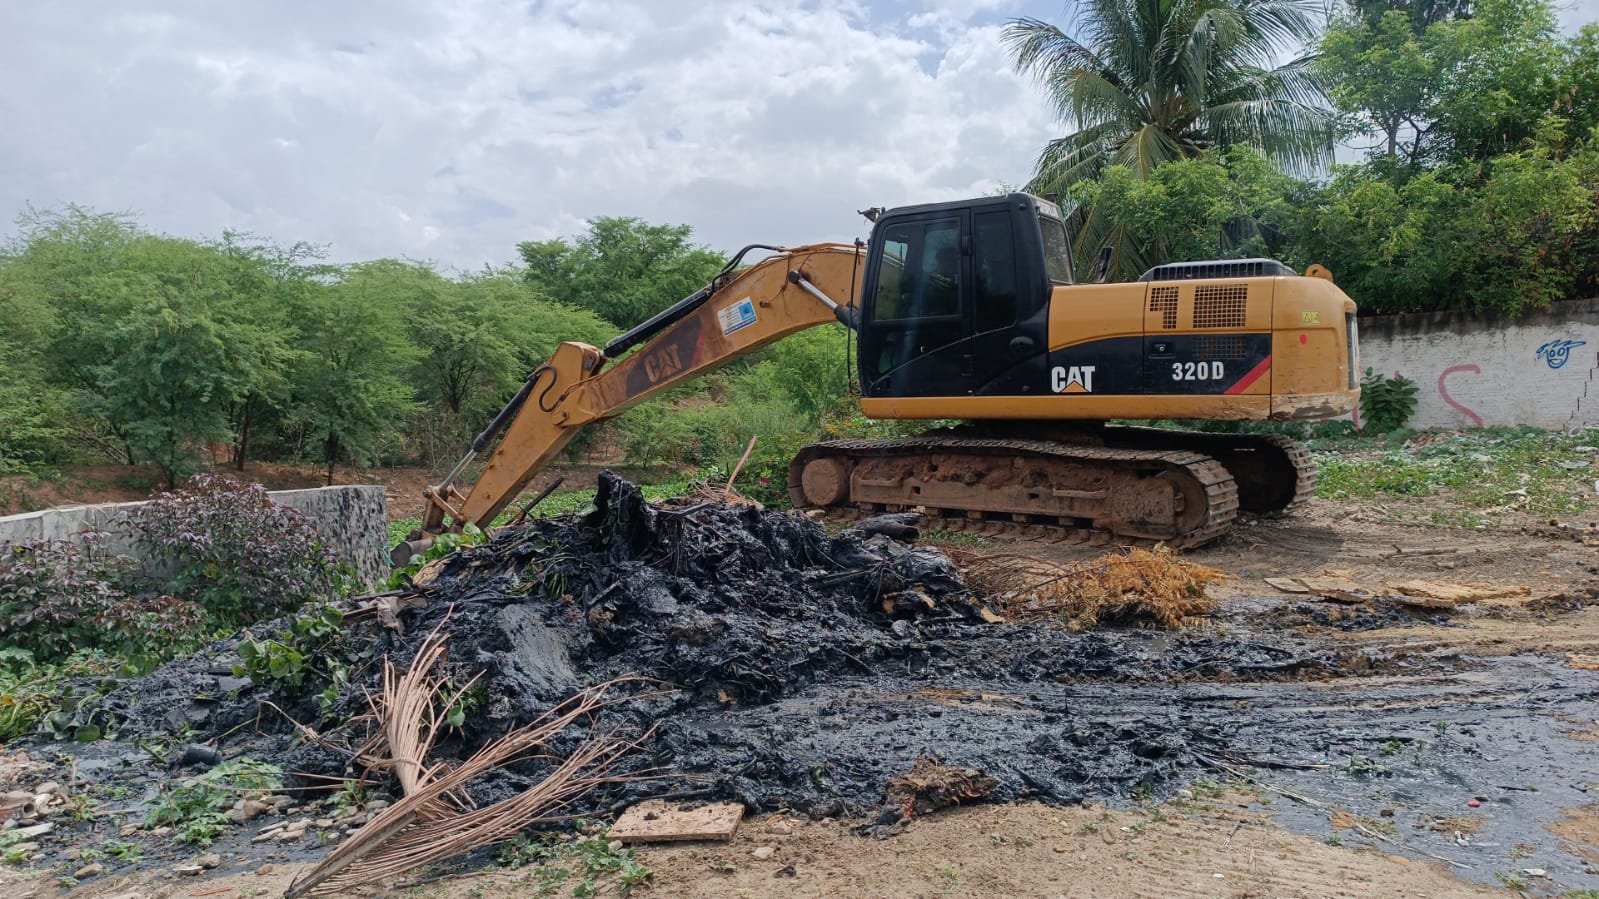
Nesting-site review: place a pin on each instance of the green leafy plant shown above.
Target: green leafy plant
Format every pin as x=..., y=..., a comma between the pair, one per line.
x=592, y=857
x=1363, y=766
x=283, y=663
x=443, y=545
x=195, y=807
x=1386, y=404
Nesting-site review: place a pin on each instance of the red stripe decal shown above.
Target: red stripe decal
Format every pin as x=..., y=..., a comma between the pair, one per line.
x=1250, y=378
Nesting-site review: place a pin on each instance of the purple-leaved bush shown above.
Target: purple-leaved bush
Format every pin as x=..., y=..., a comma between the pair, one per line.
x=225, y=546
x=60, y=596
x=217, y=554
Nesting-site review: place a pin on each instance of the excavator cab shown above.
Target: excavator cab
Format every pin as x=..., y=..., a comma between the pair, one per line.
x=955, y=301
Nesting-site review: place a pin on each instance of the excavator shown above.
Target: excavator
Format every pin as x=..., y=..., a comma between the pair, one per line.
x=969, y=311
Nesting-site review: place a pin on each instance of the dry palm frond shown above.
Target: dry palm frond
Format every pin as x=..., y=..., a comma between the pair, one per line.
x=1135, y=585
x=435, y=820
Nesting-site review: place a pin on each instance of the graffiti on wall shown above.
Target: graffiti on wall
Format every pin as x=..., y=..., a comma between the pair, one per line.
x=1557, y=353
x=1475, y=371
x=1443, y=391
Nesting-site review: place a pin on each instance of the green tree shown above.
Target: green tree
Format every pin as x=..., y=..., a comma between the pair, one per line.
x=1504, y=69
x=156, y=337
x=1449, y=88
x=1222, y=204
x=623, y=269
x=1147, y=83
x=1384, y=241
x=349, y=396
x=1144, y=84
x=479, y=337
x=268, y=282
x=1385, y=81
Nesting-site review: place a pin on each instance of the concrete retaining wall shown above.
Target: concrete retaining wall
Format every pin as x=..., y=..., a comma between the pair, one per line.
x=1476, y=370
x=353, y=522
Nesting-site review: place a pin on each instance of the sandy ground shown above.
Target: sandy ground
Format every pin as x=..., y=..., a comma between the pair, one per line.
x=1223, y=847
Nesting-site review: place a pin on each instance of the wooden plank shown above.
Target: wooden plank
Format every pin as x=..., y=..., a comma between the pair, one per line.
x=1287, y=585
x=1457, y=592
x=656, y=821
x=1337, y=589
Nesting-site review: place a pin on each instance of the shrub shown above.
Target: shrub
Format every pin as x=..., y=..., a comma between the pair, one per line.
x=1386, y=404
x=60, y=596
x=228, y=548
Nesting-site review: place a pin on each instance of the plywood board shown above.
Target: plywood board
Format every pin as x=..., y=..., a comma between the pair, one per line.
x=656, y=821
x=1457, y=592
x=1337, y=589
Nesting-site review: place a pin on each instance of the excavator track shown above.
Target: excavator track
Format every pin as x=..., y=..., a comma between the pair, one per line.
x=1047, y=490
x=1273, y=473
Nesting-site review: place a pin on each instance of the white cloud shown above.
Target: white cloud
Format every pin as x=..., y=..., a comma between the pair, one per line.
x=451, y=130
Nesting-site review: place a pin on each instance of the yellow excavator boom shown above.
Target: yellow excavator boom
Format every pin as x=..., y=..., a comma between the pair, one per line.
x=741, y=312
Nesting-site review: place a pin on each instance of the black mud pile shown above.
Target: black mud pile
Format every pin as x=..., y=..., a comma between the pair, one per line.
x=788, y=668
x=809, y=670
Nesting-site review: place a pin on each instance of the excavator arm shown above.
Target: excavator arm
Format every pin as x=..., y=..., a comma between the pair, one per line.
x=737, y=314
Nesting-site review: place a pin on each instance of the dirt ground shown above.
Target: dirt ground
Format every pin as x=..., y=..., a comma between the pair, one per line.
x=1221, y=847
x=1256, y=839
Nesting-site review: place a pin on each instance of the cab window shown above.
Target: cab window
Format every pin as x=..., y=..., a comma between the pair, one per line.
x=994, y=256
x=1057, y=250
x=919, y=276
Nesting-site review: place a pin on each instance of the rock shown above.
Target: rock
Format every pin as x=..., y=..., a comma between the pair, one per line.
x=290, y=835
x=280, y=801
x=781, y=828
x=246, y=810
x=1535, y=872
x=200, y=756
x=209, y=860
x=264, y=870
x=324, y=822
x=128, y=830
x=764, y=853
x=189, y=870
x=88, y=871
x=614, y=845
x=48, y=788
x=787, y=870
x=376, y=805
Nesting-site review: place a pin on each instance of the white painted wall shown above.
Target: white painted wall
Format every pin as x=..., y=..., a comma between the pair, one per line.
x=1540, y=370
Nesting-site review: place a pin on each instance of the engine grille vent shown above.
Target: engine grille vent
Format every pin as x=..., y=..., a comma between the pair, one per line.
x=1217, y=268
x=1217, y=346
x=1164, y=301
x=1220, y=305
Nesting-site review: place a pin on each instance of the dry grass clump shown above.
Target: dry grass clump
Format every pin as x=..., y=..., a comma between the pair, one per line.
x=1133, y=586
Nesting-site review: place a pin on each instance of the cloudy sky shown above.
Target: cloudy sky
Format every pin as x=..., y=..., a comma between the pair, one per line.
x=448, y=130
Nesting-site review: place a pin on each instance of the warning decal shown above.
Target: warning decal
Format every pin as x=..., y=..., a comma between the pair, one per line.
x=737, y=317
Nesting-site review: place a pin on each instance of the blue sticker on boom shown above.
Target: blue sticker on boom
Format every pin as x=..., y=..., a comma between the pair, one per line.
x=737, y=317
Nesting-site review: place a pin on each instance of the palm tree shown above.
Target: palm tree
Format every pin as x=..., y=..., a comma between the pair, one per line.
x=1147, y=82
